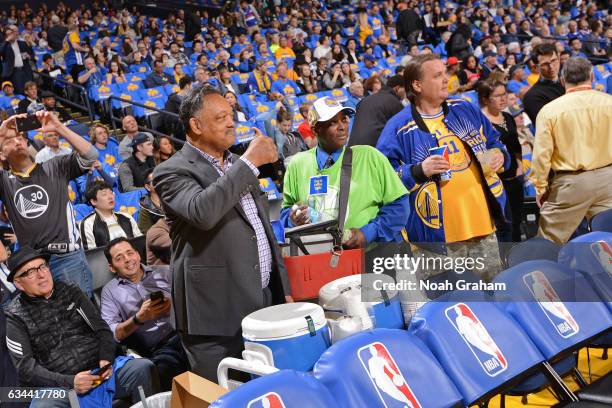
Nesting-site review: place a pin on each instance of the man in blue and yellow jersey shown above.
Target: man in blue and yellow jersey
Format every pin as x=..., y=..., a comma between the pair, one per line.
x=72, y=49
x=455, y=198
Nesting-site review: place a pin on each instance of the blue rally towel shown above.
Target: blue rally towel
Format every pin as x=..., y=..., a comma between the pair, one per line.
x=102, y=396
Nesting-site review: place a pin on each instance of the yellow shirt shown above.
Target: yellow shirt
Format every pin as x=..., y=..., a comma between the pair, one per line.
x=74, y=39
x=465, y=210
x=286, y=52
x=533, y=78
x=453, y=84
x=573, y=132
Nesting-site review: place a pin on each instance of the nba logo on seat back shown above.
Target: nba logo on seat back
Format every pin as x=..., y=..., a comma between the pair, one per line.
x=603, y=252
x=550, y=303
x=386, y=377
x=270, y=400
x=477, y=338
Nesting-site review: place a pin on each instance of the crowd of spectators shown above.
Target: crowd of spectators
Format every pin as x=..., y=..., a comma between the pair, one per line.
x=270, y=60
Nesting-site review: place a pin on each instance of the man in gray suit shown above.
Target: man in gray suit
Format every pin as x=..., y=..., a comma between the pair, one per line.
x=225, y=260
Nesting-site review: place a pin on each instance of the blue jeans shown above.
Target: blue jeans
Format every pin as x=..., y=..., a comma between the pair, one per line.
x=72, y=267
x=138, y=371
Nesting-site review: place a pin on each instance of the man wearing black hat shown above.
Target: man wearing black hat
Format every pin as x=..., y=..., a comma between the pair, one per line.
x=132, y=171
x=50, y=105
x=55, y=336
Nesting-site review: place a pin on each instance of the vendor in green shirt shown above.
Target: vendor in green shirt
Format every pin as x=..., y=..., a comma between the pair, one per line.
x=378, y=205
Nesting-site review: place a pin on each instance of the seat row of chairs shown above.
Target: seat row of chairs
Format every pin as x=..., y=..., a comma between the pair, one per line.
x=465, y=347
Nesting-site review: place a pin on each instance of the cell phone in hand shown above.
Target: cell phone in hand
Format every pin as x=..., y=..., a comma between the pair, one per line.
x=30, y=122
x=101, y=370
x=157, y=297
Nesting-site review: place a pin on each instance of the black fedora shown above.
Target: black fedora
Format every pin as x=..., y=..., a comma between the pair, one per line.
x=24, y=255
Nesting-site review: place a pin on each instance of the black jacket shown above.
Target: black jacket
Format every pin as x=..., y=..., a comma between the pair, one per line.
x=51, y=340
x=56, y=35
x=100, y=231
x=23, y=105
x=373, y=112
x=8, y=58
x=408, y=21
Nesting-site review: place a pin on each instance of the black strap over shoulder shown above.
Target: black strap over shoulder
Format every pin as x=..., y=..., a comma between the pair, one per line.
x=345, y=186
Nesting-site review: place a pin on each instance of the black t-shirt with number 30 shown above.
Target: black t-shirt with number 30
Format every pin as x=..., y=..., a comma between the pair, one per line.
x=38, y=204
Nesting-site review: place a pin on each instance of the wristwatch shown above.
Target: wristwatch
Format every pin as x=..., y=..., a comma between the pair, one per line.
x=136, y=321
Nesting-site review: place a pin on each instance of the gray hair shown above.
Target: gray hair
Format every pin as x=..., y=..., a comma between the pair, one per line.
x=194, y=102
x=577, y=70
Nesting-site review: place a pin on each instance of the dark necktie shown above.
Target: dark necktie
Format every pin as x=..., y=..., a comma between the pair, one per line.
x=329, y=162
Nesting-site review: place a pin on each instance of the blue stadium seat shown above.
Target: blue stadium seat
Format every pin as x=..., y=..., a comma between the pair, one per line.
x=154, y=97
x=286, y=388
x=555, y=305
x=131, y=86
x=136, y=76
x=591, y=254
x=103, y=92
x=171, y=88
x=385, y=368
x=81, y=211
x=602, y=221
x=535, y=248
x=472, y=342
x=260, y=108
x=133, y=96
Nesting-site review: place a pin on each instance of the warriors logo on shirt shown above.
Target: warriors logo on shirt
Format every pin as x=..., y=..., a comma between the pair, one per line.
x=31, y=201
x=427, y=205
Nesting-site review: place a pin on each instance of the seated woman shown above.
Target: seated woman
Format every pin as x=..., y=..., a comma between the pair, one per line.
x=115, y=75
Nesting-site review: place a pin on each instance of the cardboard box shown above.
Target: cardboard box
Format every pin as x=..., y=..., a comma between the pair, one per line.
x=192, y=391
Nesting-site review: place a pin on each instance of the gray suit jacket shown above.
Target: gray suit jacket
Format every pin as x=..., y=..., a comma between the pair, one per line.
x=215, y=264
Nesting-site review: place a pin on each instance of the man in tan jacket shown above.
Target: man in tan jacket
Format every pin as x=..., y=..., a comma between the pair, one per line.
x=572, y=154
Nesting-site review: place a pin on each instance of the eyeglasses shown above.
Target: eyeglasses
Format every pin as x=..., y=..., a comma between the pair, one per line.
x=548, y=63
x=30, y=273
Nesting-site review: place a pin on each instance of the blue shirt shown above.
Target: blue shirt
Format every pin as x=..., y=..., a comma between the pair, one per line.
x=285, y=87
x=96, y=78
x=121, y=299
x=515, y=86
x=110, y=154
x=366, y=72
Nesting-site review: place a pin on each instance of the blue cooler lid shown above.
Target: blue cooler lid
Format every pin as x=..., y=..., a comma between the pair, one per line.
x=282, y=321
x=330, y=294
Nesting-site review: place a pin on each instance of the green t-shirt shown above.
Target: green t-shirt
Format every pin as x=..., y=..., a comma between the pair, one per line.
x=374, y=183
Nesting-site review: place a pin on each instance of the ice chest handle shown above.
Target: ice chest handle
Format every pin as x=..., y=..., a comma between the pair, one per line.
x=308, y=273
x=295, y=235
